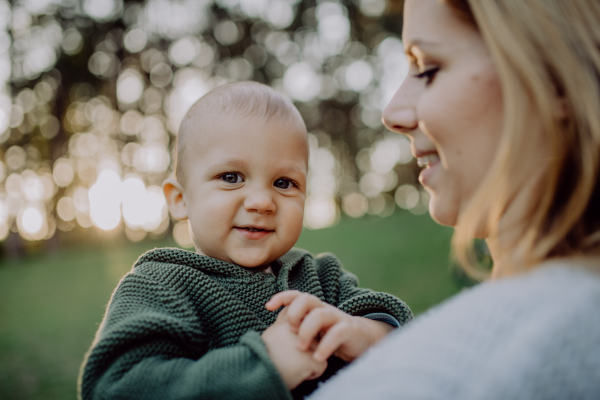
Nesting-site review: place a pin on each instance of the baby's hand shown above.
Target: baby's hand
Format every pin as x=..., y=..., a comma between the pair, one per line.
x=342, y=335
x=295, y=365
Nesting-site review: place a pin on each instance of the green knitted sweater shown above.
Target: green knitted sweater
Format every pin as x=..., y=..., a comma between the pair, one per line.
x=185, y=326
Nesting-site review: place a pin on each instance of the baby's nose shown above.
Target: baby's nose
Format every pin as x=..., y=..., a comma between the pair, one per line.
x=260, y=201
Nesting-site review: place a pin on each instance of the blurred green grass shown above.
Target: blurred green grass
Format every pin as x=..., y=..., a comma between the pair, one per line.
x=51, y=305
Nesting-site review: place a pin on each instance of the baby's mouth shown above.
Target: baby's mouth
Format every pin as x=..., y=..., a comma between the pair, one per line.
x=253, y=232
x=252, y=229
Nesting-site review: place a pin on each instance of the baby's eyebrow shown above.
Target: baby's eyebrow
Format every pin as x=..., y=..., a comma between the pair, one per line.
x=231, y=163
x=290, y=169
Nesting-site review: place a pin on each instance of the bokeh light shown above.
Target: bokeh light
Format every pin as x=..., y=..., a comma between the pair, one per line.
x=129, y=86
x=32, y=222
x=355, y=205
x=105, y=201
x=320, y=212
x=181, y=234
x=92, y=94
x=135, y=40
x=65, y=209
x=102, y=10
x=63, y=172
x=143, y=208
x=72, y=41
x=301, y=82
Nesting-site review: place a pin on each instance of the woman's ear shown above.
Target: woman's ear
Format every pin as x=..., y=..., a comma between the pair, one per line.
x=174, y=194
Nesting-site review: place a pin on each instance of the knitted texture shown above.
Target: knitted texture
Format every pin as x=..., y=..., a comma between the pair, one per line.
x=186, y=326
x=534, y=336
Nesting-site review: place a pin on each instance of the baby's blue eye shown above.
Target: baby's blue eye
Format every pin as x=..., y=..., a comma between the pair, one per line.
x=232, y=177
x=283, y=183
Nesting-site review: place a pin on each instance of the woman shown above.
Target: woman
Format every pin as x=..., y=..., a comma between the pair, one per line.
x=502, y=107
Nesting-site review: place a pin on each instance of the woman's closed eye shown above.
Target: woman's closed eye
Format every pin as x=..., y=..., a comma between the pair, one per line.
x=232, y=177
x=284, y=183
x=428, y=74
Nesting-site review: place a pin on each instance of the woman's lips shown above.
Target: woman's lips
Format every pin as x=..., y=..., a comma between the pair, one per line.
x=428, y=160
x=253, y=233
x=431, y=163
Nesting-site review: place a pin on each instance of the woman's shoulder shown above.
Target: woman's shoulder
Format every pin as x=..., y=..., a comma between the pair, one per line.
x=547, y=285
x=519, y=337
x=555, y=300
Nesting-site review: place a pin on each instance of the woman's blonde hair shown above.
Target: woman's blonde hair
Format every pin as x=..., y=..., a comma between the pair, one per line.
x=547, y=54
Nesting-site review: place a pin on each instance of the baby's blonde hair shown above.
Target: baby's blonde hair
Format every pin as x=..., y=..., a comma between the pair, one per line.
x=547, y=53
x=238, y=100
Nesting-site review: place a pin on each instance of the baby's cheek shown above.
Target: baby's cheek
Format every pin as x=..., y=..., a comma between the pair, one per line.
x=294, y=221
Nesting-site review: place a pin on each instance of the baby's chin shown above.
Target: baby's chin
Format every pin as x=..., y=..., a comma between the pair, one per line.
x=250, y=258
x=253, y=264
x=253, y=259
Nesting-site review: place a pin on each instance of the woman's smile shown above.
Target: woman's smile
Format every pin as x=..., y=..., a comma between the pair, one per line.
x=428, y=160
x=431, y=164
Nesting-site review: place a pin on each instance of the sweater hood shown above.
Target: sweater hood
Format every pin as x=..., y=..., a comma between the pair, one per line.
x=213, y=266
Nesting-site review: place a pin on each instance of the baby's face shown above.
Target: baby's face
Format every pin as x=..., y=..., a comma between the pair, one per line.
x=245, y=186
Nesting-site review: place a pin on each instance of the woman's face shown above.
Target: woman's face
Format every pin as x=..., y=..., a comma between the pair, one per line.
x=450, y=105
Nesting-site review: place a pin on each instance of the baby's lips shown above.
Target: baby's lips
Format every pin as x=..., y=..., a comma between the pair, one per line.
x=253, y=226
x=253, y=233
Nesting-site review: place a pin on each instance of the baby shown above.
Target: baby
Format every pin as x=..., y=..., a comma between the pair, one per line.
x=205, y=324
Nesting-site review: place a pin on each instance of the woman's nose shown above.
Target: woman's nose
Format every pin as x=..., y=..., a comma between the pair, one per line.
x=400, y=114
x=259, y=201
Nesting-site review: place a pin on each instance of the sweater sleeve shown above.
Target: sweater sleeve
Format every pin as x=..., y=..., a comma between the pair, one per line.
x=341, y=290
x=153, y=347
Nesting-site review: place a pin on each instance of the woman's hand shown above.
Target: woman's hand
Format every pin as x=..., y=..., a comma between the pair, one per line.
x=295, y=365
x=341, y=334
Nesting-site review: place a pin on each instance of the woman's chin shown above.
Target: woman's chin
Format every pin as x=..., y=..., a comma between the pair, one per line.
x=442, y=212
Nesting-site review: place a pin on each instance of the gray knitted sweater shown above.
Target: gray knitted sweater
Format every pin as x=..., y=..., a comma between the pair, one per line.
x=185, y=326
x=535, y=336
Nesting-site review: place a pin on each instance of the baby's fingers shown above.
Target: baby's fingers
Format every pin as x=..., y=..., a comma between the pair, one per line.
x=282, y=299
x=301, y=307
x=318, y=370
x=319, y=320
x=333, y=339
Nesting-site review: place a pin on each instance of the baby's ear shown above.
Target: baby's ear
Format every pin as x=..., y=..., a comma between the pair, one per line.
x=174, y=194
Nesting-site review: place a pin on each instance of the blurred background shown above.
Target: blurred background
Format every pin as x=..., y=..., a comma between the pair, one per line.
x=92, y=93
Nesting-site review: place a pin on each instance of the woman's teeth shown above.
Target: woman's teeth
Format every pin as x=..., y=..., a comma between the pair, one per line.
x=428, y=160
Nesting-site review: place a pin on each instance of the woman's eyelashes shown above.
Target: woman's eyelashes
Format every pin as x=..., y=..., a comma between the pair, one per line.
x=284, y=183
x=428, y=74
x=232, y=177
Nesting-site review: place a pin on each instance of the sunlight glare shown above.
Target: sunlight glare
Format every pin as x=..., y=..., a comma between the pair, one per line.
x=105, y=201
x=32, y=223
x=320, y=212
